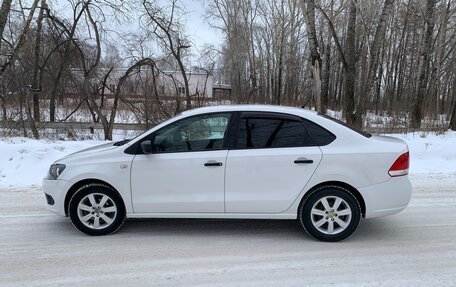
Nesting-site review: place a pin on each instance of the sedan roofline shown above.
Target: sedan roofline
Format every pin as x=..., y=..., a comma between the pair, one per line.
x=240, y=108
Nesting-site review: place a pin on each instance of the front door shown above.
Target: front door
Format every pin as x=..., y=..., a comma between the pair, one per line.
x=185, y=172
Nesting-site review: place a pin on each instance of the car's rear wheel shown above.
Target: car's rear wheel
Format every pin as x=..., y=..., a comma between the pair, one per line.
x=330, y=213
x=97, y=209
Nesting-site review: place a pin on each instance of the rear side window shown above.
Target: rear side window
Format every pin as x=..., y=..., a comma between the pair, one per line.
x=321, y=135
x=272, y=133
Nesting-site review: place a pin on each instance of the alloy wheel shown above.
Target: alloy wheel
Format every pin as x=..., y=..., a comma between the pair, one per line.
x=331, y=215
x=97, y=210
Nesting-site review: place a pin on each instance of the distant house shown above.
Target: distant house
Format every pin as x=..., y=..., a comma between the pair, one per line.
x=221, y=92
x=201, y=85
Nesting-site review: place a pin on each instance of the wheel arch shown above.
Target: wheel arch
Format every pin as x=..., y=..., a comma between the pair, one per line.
x=75, y=187
x=344, y=185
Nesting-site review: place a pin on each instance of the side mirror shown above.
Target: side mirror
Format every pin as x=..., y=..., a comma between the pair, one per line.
x=146, y=146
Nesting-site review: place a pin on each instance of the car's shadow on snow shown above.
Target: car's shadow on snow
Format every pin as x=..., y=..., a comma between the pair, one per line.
x=213, y=227
x=370, y=230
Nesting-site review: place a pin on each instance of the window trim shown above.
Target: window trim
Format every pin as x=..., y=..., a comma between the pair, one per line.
x=273, y=116
x=270, y=115
x=230, y=141
x=306, y=122
x=137, y=145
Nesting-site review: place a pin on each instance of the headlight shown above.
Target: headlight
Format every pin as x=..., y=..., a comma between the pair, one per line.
x=55, y=170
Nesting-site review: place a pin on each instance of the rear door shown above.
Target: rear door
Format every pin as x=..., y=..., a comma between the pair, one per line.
x=273, y=159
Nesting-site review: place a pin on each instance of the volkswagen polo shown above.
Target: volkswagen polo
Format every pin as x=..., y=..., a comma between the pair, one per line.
x=238, y=162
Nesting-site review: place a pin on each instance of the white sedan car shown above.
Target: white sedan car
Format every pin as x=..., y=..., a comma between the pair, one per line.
x=242, y=162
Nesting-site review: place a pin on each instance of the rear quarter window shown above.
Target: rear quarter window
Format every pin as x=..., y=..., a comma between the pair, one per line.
x=320, y=135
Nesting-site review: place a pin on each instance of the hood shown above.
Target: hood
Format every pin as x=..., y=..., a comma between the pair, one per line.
x=91, y=150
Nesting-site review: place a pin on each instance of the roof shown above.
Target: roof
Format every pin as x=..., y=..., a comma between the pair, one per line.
x=259, y=108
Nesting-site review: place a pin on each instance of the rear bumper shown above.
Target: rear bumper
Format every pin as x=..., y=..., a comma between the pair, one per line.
x=386, y=198
x=57, y=190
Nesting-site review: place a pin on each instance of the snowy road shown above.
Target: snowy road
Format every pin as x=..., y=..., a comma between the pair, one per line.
x=414, y=248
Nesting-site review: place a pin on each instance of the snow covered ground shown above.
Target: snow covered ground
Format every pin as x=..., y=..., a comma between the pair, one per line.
x=416, y=247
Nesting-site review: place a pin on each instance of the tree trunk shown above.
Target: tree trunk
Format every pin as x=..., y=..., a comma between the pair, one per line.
x=452, y=125
x=36, y=83
x=374, y=56
x=11, y=59
x=326, y=76
x=315, y=58
x=423, y=64
x=350, y=71
x=22, y=39
x=280, y=72
x=437, y=83
x=28, y=111
x=188, y=100
x=4, y=11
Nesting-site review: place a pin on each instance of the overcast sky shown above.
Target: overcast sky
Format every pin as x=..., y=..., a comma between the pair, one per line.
x=197, y=27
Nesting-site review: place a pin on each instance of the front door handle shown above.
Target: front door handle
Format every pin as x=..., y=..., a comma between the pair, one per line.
x=303, y=160
x=213, y=163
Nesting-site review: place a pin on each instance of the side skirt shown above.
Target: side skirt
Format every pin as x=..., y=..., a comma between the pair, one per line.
x=214, y=215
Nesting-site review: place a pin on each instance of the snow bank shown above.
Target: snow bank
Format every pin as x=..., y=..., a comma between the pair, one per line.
x=24, y=162
x=431, y=152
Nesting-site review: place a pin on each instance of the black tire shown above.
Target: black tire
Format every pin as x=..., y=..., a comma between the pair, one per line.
x=97, y=190
x=315, y=198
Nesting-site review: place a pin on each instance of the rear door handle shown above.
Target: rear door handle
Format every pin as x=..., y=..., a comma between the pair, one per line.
x=303, y=160
x=213, y=163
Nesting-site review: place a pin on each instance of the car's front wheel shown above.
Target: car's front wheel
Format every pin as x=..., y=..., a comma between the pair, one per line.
x=330, y=213
x=97, y=209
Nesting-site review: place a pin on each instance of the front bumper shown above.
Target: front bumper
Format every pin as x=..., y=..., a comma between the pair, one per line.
x=56, y=189
x=386, y=198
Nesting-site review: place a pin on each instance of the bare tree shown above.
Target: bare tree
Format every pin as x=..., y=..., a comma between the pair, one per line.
x=66, y=47
x=373, y=61
x=11, y=59
x=4, y=11
x=423, y=63
x=168, y=31
x=308, y=8
x=117, y=95
x=36, y=78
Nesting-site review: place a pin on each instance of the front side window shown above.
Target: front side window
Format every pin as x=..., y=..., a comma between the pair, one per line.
x=272, y=133
x=198, y=133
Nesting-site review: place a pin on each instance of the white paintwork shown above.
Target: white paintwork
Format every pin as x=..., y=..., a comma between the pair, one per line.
x=262, y=183
x=178, y=182
x=267, y=180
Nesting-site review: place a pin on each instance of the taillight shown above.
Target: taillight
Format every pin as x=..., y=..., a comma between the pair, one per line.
x=400, y=166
